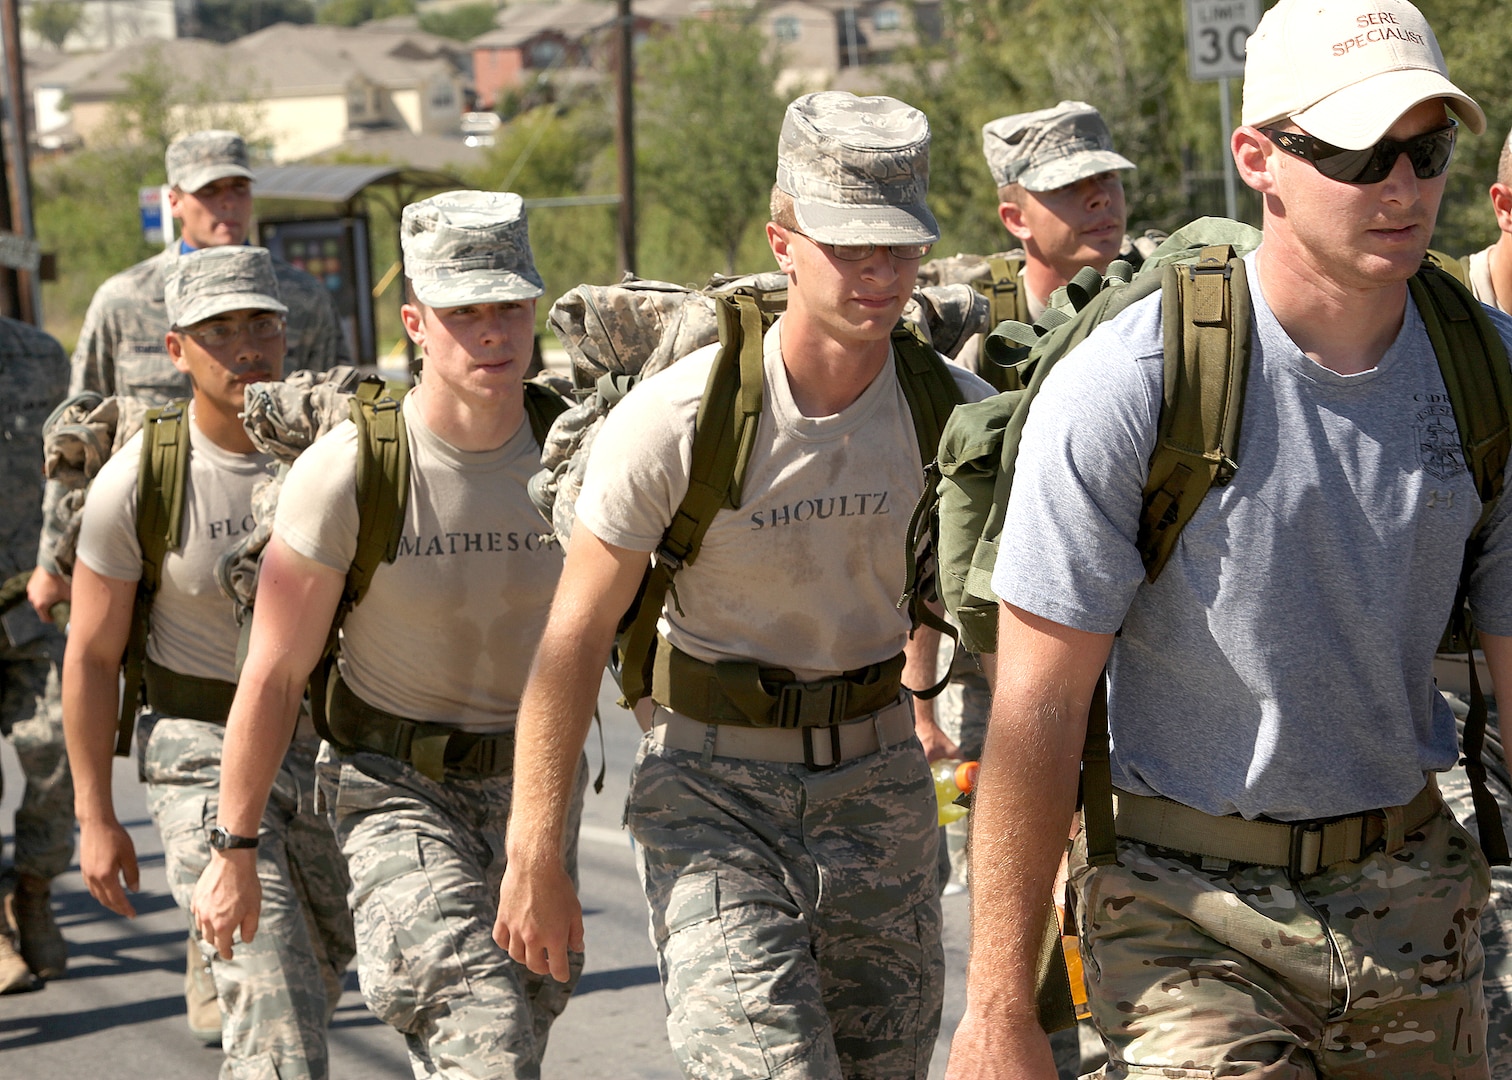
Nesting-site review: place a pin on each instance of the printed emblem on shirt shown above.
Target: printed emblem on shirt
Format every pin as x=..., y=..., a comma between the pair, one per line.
x=1438, y=437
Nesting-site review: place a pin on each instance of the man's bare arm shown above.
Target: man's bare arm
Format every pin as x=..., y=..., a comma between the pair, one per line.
x=540, y=918
x=296, y=600
x=1021, y=812
x=98, y=631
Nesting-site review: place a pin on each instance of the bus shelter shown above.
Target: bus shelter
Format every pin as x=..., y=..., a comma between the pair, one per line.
x=319, y=218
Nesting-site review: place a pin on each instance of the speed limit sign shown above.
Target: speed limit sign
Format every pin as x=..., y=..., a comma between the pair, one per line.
x=1216, y=33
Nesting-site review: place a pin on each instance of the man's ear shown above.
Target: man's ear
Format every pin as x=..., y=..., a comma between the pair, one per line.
x=414, y=323
x=782, y=246
x=1011, y=214
x=1254, y=158
x=175, y=202
x=175, y=346
x=1501, y=203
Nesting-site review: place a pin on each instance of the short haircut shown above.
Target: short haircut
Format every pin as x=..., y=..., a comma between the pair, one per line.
x=1013, y=193
x=782, y=209
x=1504, y=163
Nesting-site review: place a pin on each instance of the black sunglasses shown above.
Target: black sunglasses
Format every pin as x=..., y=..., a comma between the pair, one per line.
x=1429, y=154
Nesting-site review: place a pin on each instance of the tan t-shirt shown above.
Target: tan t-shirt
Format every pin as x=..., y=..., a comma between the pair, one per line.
x=193, y=627
x=447, y=630
x=806, y=574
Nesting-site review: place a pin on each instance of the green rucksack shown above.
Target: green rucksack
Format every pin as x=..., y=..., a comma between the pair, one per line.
x=724, y=431
x=1206, y=318
x=382, y=493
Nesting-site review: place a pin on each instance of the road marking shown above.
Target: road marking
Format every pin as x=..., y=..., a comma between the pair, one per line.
x=599, y=835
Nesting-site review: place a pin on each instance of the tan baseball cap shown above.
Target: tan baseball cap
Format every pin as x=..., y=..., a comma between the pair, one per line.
x=1346, y=70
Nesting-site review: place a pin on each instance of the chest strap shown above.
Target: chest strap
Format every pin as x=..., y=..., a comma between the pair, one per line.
x=436, y=750
x=1303, y=847
x=745, y=694
x=187, y=696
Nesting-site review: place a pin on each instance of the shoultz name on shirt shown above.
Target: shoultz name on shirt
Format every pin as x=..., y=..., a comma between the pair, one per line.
x=856, y=504
x=464, y=543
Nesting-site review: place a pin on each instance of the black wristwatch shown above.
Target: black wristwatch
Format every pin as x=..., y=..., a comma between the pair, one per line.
x=221, y=840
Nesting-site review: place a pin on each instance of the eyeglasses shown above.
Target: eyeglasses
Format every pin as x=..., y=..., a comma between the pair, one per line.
x=219, y=334
x=858, y=252
x=1429, y=154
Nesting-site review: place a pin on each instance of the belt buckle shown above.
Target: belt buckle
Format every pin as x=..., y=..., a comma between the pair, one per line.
x=807, y=734
x=821, y=703
x=1305, y=852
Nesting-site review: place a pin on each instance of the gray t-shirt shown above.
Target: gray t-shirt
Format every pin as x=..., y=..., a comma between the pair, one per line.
x=193, y=627
x=1282, y=663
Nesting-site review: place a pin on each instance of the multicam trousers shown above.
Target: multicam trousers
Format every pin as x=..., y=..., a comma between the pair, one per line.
x=426, y=862
x=1369, y=969
x=278, y=993
x=31, y=717
x=795, y=914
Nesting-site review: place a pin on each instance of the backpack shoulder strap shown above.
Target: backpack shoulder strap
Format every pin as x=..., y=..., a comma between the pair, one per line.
x=383, y=467
x=1473, y=362
x=162, y=477
x=542, y=406
x=1205, y=314
x=1206, y=318
x=928, y=387
x=1006, y=302
x=728, y=415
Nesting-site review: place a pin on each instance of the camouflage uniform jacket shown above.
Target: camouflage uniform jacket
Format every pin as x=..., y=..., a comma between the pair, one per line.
x=33, y=378
x=121, y=348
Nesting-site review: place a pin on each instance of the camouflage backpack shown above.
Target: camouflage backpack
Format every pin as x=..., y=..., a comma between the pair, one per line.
x=619, y=334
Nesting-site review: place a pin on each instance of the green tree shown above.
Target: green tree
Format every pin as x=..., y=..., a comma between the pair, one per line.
x=54, y=20
x=460, y=23
x=227, y=20
x=356, y=12
x=708, y=121
x=553, y=152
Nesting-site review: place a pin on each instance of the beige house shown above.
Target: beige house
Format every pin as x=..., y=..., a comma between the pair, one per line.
x=300, y=89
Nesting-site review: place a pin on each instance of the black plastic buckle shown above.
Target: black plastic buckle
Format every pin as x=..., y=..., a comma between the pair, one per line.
x=813, y=704
x=808, y=747
x=1295, y=866
x=1210, y=266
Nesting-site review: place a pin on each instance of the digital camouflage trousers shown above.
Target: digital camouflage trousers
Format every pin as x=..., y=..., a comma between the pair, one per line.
x=426, y=861
x=278, y=993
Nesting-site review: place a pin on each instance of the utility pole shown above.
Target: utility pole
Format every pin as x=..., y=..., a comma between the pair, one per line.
x=19, y=253
x=624, y=139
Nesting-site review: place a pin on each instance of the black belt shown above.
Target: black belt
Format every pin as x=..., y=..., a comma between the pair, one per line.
x=434, y=749
x=744, y=693
x=187, y=696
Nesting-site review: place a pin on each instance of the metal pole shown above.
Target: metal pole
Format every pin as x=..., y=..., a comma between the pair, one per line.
x=624, y=133
x=28, y=294
x=1226, y=121
x=850, y=35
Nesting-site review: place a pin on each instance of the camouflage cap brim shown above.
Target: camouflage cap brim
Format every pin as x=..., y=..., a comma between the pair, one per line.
x=866, y=224
x=1068, y=170
x=195, y=179
x=208, y=306
x=454, y=288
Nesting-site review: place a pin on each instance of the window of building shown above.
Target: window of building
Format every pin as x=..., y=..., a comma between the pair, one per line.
x=888, y=18
x=785, y=29
x=442, y=96
x=545, y=53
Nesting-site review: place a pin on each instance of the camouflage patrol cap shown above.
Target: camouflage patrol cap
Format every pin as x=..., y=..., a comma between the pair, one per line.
x=212, y=281
x=469, y=247
x=1050, y=148
x=202, y=157
x=857, y=169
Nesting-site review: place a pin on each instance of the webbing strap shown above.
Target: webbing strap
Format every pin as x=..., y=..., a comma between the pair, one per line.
x=542, y=406
x=1006, y=301
x=932, y=395
x=723, y=434
x=1473, y=363
x=382, y=495
x=1206, y=364
x=1097, y=781
x=161, y=480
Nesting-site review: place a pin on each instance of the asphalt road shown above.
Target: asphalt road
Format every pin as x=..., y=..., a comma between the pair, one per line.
x=120, y=1013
